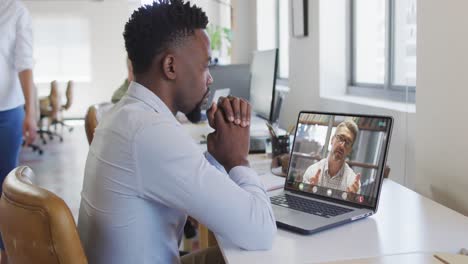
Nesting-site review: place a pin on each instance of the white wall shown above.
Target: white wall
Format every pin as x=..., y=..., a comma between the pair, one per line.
x=217, y=11
x=304, y=81
x=108, y=69
x=108, y=65
x=441, y=125
x=318, y=66
x=244, y=32
x=333, y=47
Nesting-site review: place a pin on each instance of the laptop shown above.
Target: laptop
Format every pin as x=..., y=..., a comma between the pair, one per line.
x=335, y=171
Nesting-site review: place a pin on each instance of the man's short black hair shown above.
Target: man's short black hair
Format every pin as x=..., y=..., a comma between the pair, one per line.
x=153, y=28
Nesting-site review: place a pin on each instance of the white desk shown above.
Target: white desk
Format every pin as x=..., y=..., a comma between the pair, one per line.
x=406, y=222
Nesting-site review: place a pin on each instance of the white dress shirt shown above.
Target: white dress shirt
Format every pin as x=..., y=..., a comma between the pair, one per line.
x=341, y=181
x=15, y=51
x=144, y=174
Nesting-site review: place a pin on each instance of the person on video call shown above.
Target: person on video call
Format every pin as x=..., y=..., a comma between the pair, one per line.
x=333, y=171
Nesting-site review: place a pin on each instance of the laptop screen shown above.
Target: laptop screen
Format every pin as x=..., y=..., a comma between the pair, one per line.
x=339, y=156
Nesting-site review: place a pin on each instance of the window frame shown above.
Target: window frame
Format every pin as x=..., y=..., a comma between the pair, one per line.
x=276, y=29
x=281, y=80
x=387, y=90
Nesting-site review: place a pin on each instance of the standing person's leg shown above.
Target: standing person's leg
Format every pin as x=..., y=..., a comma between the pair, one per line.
x=11, y=137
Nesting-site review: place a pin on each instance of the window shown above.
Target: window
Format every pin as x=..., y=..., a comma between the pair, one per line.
x=218, y=28
x=383, y=49
x=62, y=49
x=273, y=31
x=283, y=17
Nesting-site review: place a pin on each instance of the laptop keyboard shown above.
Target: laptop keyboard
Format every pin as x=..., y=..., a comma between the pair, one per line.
x=309, y=206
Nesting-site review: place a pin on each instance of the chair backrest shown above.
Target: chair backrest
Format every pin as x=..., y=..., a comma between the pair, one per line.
x=69, y=95
x=36, y=225
x=93, y=116
x=37, y=104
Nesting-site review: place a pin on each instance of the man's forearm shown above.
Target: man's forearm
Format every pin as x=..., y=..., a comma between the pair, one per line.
x=29, y=91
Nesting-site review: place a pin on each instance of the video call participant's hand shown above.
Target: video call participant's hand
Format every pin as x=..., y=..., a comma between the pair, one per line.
x=229, y=143
x=356, y=184
x=236, y=110
x=314, y=180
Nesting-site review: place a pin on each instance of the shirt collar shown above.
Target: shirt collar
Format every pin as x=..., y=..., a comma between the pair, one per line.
x=143, y=94
x=340, y=172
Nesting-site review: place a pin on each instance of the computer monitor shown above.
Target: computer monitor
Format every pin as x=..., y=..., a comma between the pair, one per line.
x=262, y=83
x=233, y=76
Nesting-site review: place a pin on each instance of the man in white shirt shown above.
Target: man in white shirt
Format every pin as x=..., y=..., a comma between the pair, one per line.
x=17, y=93
x=144, y=173
x=333, y=171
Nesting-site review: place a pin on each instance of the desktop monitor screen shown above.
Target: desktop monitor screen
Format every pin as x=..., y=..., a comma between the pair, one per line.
x=262, y=82
x=338, y=156
x=233, y=76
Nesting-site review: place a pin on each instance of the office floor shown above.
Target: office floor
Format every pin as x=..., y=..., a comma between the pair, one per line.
x=60, y=168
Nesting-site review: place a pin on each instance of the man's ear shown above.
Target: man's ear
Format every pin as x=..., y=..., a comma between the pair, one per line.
x=168, y=66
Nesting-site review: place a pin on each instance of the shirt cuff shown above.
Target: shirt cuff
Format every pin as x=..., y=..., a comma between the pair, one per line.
x=214, y=162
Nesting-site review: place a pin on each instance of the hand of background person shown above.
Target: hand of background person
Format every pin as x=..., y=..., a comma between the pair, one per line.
x=356, y=184
x=229, y=143
x=29, y=129
x=236, y=110
x=314, y=180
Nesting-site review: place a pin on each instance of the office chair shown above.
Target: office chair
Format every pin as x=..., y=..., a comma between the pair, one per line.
x=49, y=109
x=39, y=227
x=66, y=106
x=33, y=146
x=92, y=117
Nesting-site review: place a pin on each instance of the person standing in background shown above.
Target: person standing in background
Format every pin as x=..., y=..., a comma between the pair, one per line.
x=17, y=93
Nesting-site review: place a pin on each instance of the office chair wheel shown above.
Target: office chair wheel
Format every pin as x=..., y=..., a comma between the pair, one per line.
x=44, y=141
x=51, y=137
x=61, y=139
x=41, y=152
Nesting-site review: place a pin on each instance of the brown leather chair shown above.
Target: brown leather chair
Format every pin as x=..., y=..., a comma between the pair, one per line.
x=36, y=225
x=69, y=96
x=49, y=108
x=66, y=106
x=92, y=118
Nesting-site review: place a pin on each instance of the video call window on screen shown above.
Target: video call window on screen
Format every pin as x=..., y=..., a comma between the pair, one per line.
x=338, y=156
